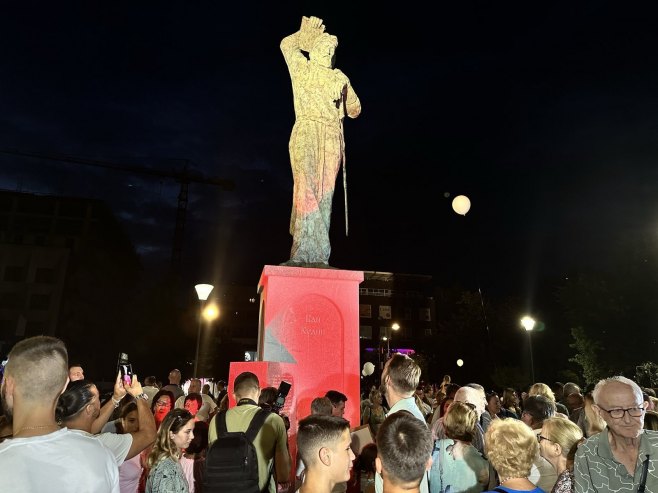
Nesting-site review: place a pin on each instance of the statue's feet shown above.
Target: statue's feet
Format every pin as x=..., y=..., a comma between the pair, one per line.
x=292, y=263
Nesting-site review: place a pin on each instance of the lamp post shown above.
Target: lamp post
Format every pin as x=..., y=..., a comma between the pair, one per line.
x=528, y=323
x=202, y=292
x=395, y=327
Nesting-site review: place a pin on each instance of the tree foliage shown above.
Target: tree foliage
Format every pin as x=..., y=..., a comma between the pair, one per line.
x=587, y=355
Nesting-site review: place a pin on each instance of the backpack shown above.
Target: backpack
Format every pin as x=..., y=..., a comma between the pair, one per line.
x=231, y=461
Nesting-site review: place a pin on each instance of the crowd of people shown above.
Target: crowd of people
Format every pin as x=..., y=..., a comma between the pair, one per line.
x=57, y=434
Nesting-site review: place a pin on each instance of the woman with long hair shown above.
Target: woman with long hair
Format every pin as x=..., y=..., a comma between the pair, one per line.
x=174, y=436
x=558, y=437
x=131, y=470
x=375, y=413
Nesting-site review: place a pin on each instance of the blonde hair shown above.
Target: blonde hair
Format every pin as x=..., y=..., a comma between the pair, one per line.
x=542, y=389
x=511, y=447
x=164, y=447
x=459, y=421
x=595, y=423
x=563, y=432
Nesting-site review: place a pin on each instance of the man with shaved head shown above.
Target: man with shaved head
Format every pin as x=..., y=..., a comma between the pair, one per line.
x=624, y=456
x=35, y=375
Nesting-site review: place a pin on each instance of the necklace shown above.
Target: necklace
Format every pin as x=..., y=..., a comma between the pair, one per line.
x=512, y=477
x=39, y=427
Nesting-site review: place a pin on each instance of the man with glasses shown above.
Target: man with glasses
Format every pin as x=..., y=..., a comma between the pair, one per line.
x=624, y=456
x=537, y=409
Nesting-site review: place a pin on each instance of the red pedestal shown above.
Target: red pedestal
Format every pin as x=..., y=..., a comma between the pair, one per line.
x=308, y=336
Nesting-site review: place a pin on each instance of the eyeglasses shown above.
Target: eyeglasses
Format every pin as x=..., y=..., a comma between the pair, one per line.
x=162, y=404
x=633, y=412
x=540, y=438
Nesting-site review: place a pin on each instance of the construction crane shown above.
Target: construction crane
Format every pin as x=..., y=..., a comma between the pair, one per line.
x=185, y=176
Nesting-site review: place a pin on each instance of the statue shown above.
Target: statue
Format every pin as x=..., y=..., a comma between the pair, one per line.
x=322, y=97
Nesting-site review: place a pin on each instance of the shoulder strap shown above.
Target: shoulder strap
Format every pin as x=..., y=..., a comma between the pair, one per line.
x=645, y=470
x=220, y=423
x=498, y=489
x=256, y=424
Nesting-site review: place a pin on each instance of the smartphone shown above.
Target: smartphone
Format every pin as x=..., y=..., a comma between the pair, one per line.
x=284, y=388
x=125, y=368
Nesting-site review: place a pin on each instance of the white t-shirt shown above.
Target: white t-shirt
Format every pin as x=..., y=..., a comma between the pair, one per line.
x=119, y=445
x=62, y=461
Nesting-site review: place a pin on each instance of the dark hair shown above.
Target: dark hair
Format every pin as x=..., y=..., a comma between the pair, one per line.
x=317, y=431
x=73, y=400
x=267, y=396
x=365, y=461
x=335, y=397
x=159, y=394
x=539, y=407
x=149, y=381
x=127, y=409
x=245, y=382
x=490, y=395
x=200, y=441
x=194, y=397
x=404, y=445
x=451, y=389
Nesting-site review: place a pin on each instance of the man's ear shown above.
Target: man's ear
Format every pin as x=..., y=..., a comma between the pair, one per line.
x=428, y=464
x=325, y=456
x=597, y=410
x=9, y=384
x=66, y=384
x=378, y=464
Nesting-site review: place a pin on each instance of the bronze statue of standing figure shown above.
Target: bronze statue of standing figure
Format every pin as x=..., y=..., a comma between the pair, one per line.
x=322, y=96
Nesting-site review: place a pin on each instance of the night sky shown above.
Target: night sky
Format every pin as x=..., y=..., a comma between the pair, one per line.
x=545, y=115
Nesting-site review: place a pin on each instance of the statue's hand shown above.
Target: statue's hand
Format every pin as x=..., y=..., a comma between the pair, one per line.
x=315, y=23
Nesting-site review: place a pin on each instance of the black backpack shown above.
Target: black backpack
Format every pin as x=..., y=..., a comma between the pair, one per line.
x=231, y=460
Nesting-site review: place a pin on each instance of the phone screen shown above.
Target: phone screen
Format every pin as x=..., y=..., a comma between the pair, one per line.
x=126, y=373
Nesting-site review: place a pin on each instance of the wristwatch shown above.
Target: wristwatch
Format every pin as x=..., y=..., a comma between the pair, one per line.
x=143, y=395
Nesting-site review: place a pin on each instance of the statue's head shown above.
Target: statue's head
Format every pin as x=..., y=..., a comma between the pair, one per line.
x=323, y=51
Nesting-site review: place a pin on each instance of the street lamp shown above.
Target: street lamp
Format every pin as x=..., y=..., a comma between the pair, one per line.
x=396, y=327
x=528, y=323
x=202, y=292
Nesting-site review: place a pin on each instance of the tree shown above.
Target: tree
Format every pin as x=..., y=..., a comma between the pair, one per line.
x=646, y=374
x=587, y=355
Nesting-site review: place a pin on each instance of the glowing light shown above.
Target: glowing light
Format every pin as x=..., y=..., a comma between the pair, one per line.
x=210, y=312
x=460, y=362
x=528, y=323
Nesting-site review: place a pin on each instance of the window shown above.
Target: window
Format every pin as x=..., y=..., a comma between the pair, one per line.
x=44, y=275
x=35, y=329
x=365, y=311
x=10, y=301
x=365, y=332
x=385, y=312
x=15, y=273
x=424, y=315
x=428, y=332
x=40, y=301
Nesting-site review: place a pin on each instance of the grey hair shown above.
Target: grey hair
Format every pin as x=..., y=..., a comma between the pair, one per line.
x=602, y=383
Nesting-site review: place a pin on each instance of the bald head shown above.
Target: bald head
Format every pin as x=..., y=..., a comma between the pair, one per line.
x=471, y=396
x=174, y=377
x=609, y=385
